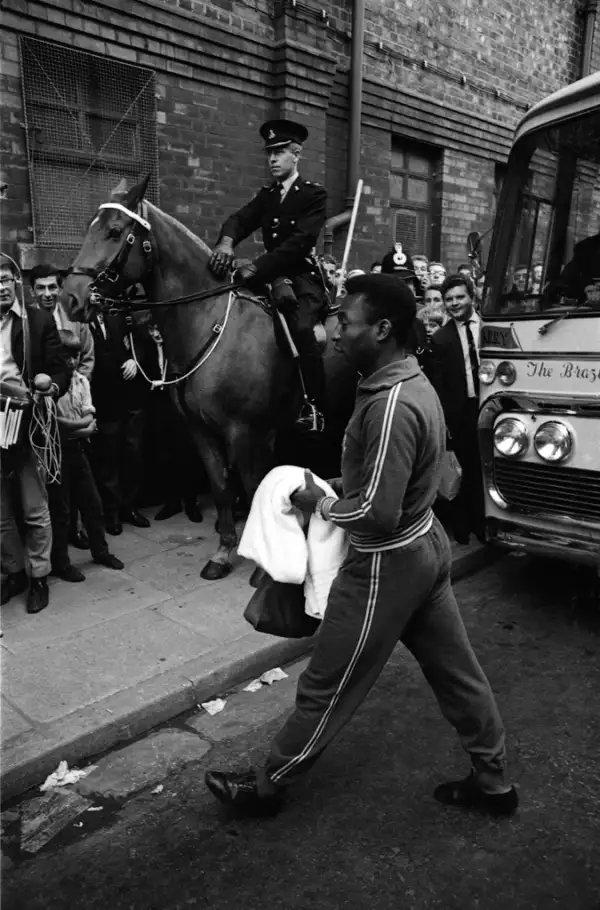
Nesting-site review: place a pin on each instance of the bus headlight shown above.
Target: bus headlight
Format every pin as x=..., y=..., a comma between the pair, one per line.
x=553, y=441
x=487, y=372
x=510, y=437
x=506, y=373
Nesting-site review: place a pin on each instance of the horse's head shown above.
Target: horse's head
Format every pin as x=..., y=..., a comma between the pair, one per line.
x=115, y=252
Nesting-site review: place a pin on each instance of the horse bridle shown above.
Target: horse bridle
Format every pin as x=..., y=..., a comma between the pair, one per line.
x=113, y=271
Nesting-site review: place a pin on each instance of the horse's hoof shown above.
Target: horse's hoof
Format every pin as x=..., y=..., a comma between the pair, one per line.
x=215, y=570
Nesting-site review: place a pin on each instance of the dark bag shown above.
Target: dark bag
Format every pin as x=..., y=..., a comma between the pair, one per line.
x=277, y=608
x=450, y=476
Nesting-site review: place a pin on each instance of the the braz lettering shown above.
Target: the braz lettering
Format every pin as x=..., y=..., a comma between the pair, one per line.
x=570, y=370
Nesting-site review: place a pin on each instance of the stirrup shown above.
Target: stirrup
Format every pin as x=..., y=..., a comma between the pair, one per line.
x=310, y=418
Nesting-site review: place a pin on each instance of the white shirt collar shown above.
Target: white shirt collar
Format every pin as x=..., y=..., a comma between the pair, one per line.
x=287, y=183
x=474, y=317
x=15, y=308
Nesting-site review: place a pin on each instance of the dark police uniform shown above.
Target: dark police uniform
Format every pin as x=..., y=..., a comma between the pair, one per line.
x=290, y=229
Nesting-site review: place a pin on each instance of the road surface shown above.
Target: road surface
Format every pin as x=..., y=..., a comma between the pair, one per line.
x=363, y=832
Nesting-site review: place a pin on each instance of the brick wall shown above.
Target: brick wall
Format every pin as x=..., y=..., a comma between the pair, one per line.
x=456, y=75
x=453, y=74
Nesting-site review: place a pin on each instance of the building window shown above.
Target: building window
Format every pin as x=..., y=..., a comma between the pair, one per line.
x=90, y=122
x=413, y=197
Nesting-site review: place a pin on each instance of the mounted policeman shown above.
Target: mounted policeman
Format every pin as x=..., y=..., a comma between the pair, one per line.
x=291, y=213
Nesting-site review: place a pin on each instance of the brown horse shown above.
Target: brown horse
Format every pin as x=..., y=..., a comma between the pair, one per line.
x=231, y=401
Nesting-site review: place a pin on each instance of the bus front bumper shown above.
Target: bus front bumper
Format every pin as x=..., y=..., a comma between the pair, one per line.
x=553, y=542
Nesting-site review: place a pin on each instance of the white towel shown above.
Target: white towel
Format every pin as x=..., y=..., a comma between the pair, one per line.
x=274, y=538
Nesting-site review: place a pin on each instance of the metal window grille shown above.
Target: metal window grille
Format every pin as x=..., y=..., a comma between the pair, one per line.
x=90, y=122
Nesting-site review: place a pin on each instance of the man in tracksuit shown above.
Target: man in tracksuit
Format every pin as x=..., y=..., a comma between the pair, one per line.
x=395, y=582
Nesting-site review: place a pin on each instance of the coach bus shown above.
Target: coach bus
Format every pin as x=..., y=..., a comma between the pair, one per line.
x=539, y=423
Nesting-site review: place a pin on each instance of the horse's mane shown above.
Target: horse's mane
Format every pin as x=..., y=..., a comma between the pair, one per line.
x=169, y=219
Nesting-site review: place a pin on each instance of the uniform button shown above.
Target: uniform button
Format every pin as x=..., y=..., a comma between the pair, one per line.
x=274, y=234
x=275, y=220
x=292, y=222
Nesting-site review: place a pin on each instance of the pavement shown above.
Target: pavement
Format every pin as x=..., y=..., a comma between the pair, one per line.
x=113, y=657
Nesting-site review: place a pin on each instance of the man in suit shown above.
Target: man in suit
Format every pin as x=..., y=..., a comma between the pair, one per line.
x=119, y=392
x=291, y=213
x=455, y=377
x=31, y=359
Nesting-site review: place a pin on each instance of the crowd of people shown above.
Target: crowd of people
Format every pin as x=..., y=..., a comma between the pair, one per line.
x=121, y=444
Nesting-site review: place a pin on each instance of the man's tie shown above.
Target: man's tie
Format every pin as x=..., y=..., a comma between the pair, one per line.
x=473, y=357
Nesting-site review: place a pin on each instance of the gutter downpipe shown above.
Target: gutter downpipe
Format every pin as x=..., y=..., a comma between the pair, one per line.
x=356, y=79
x=589, y=13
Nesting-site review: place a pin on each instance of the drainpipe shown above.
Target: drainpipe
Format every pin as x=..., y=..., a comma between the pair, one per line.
x=589, y=22
x=356, y=64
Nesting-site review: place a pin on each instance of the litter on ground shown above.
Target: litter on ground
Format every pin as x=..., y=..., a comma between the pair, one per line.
x=43, y=817
x=214, y=706
x=158, y=789
x=267, y=679
x=253, y=686
x=63, y=776
x=271, y=676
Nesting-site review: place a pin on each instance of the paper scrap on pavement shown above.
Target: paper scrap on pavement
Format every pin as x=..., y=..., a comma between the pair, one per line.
x=271, y=676
x=253, y=686
x=158, y=789
x=44, y=817
x=63, y=776
x=95, y=808
x=214, y=706
x=78, y=825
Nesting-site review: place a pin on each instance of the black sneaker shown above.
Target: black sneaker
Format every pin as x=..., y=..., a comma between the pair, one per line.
x=239, y=791
x=108, y=560
x=14, y=583
x=38, y=596
x=466, y=794
x=69, y=573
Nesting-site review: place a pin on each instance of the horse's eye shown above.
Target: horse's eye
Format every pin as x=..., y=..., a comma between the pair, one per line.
x=114, y=233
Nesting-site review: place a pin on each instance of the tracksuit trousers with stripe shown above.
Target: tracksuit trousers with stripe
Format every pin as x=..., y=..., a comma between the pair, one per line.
x=376, y=600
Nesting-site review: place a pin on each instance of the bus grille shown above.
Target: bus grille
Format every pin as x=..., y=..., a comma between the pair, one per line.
x=545, y=488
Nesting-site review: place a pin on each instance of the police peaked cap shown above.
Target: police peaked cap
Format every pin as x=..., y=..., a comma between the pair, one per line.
x=278, y=133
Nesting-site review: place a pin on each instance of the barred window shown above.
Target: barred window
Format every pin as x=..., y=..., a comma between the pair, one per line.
x=90, y=122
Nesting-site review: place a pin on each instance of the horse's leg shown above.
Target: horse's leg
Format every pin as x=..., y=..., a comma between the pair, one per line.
x=213, y=456
x=252, y=452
